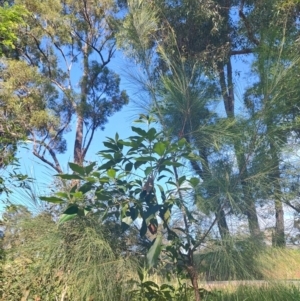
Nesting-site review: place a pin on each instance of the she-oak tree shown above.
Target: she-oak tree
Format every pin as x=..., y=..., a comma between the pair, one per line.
x=62, y=75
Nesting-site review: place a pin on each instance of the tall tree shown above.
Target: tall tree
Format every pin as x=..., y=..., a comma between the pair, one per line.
x=63, y=77
x=188, y=36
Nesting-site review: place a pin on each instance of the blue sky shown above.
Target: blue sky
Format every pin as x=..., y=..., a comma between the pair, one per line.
x=120, y=123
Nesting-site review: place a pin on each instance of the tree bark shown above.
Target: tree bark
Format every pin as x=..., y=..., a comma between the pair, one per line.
x=279, y=236
x=194, y=279
x=228, y=98
x=78, y=145
x=220, y=212
x=222, y=223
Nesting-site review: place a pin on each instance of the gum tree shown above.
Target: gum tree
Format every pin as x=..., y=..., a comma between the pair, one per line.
x=63, y=76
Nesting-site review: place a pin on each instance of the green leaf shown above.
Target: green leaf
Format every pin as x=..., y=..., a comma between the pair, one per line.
x=111, y=173
x=148, y=170
x=52, y=199
x=151, y=134
x=159, y=148
x=126, y=143
x=86, y=187
x=181, y=180
x=66, y=217
x=77, y=194
x=77, y=168
x=70, y=177
x=154, y=251
x=62, y=195
x=126, y=223
x=194, y=182
x=106, y=165
x=137, y=164
x=182, y=142
x=111, y=146
x=89, y=168
x=146, y=159
x=73, y=209
x=171, y=163
x=143, y=229
x=139, y=131
x=128, y=167
x=167, y=216
x=151, y=212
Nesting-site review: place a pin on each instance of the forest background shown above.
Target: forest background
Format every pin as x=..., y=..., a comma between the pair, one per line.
x=207, y=183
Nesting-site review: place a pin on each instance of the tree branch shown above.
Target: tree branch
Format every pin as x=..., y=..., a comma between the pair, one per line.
x=54, y=165
x=241, y=51
x=88, y=144
x=247, y=24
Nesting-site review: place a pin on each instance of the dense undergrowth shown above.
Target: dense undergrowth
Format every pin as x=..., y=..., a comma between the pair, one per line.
x=85, y=260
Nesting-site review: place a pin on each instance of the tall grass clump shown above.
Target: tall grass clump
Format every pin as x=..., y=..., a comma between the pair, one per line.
x=279, y=263
x=233, y=258
x=78, y=260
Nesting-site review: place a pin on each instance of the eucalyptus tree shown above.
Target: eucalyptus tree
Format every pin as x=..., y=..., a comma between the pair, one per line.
x=63, y=75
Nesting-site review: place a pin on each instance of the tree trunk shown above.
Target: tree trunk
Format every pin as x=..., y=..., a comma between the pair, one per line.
x=279, y=236
x=228, y=97
x=222, y=223
x=194, y=279
x=78, y=145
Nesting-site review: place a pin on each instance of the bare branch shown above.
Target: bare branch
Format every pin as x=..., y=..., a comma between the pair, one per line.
x=88, y=144
x=241, y=51
x=54, y=165
x=251, y=36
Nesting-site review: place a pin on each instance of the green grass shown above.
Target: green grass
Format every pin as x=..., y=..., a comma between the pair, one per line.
x=270, y=292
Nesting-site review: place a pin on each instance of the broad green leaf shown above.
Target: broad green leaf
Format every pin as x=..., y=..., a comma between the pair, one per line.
x=128, y=167
x=70, y=177
x=62, y=195
x=66, y=217
x=86, y=187
x=139, y=131
x=165, y=215
x=151, y=134
x=181, y=180
x=194, y=182
x=77, y=168
x=148, y=170
x=77, y=194
x=73, y=209
x=159, y=148
x=126, y=143
x=171, y=163
x=137, y=164
x=182, y=142
x=111, y=173
x=106, y=165
x=133, y=213
x=52, y=199
x=89, y=168
x=161, y=177
x=126, y=223
x=151, y=212
x=111, y=146
x=146, y=159
x=143, y=229
x=154, y=251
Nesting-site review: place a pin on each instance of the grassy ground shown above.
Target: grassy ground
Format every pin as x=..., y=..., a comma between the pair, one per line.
x=270, y=292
